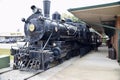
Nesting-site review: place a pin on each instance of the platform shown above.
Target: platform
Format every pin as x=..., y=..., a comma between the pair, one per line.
x=93, y=66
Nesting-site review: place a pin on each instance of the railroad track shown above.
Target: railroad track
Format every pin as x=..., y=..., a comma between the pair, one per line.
x=30, y=75
x=33, y=75
x=12, y=74
x=38, y=73
x=53, y=70
x=5, y=71
x=16, y=74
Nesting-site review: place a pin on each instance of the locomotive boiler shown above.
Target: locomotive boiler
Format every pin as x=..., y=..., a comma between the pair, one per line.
x=51, y=41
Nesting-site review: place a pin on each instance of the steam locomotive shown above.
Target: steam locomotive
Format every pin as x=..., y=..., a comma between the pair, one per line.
x=51, y=41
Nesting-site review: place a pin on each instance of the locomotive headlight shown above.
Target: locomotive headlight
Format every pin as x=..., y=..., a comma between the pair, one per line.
x=31, y=27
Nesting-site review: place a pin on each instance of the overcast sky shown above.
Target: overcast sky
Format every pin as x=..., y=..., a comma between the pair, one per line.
x=11, y=11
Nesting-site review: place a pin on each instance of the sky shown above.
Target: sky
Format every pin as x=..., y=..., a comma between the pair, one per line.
x=12, y=11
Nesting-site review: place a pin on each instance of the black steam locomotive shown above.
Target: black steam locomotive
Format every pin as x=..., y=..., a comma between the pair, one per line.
x=51, y=41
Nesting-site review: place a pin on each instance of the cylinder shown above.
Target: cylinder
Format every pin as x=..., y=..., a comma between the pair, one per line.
x=46, y=6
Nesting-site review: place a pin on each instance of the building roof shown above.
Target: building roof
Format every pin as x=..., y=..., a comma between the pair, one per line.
x=11, y=34
x=95, y=6
x=97, y=14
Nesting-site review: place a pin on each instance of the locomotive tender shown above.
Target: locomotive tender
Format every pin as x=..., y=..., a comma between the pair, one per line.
x=51, y=40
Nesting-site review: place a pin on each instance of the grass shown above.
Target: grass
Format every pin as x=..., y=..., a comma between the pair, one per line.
x=5, y=52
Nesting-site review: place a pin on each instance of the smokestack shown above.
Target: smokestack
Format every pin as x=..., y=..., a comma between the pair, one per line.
x=46, y=6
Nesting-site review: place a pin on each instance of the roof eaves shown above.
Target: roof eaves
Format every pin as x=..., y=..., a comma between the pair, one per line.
x=95, y=6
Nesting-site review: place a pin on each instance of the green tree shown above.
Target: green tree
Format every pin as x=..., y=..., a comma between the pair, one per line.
x=70, y=16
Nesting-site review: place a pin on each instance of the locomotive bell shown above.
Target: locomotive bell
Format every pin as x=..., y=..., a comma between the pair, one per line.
x=56, y=16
